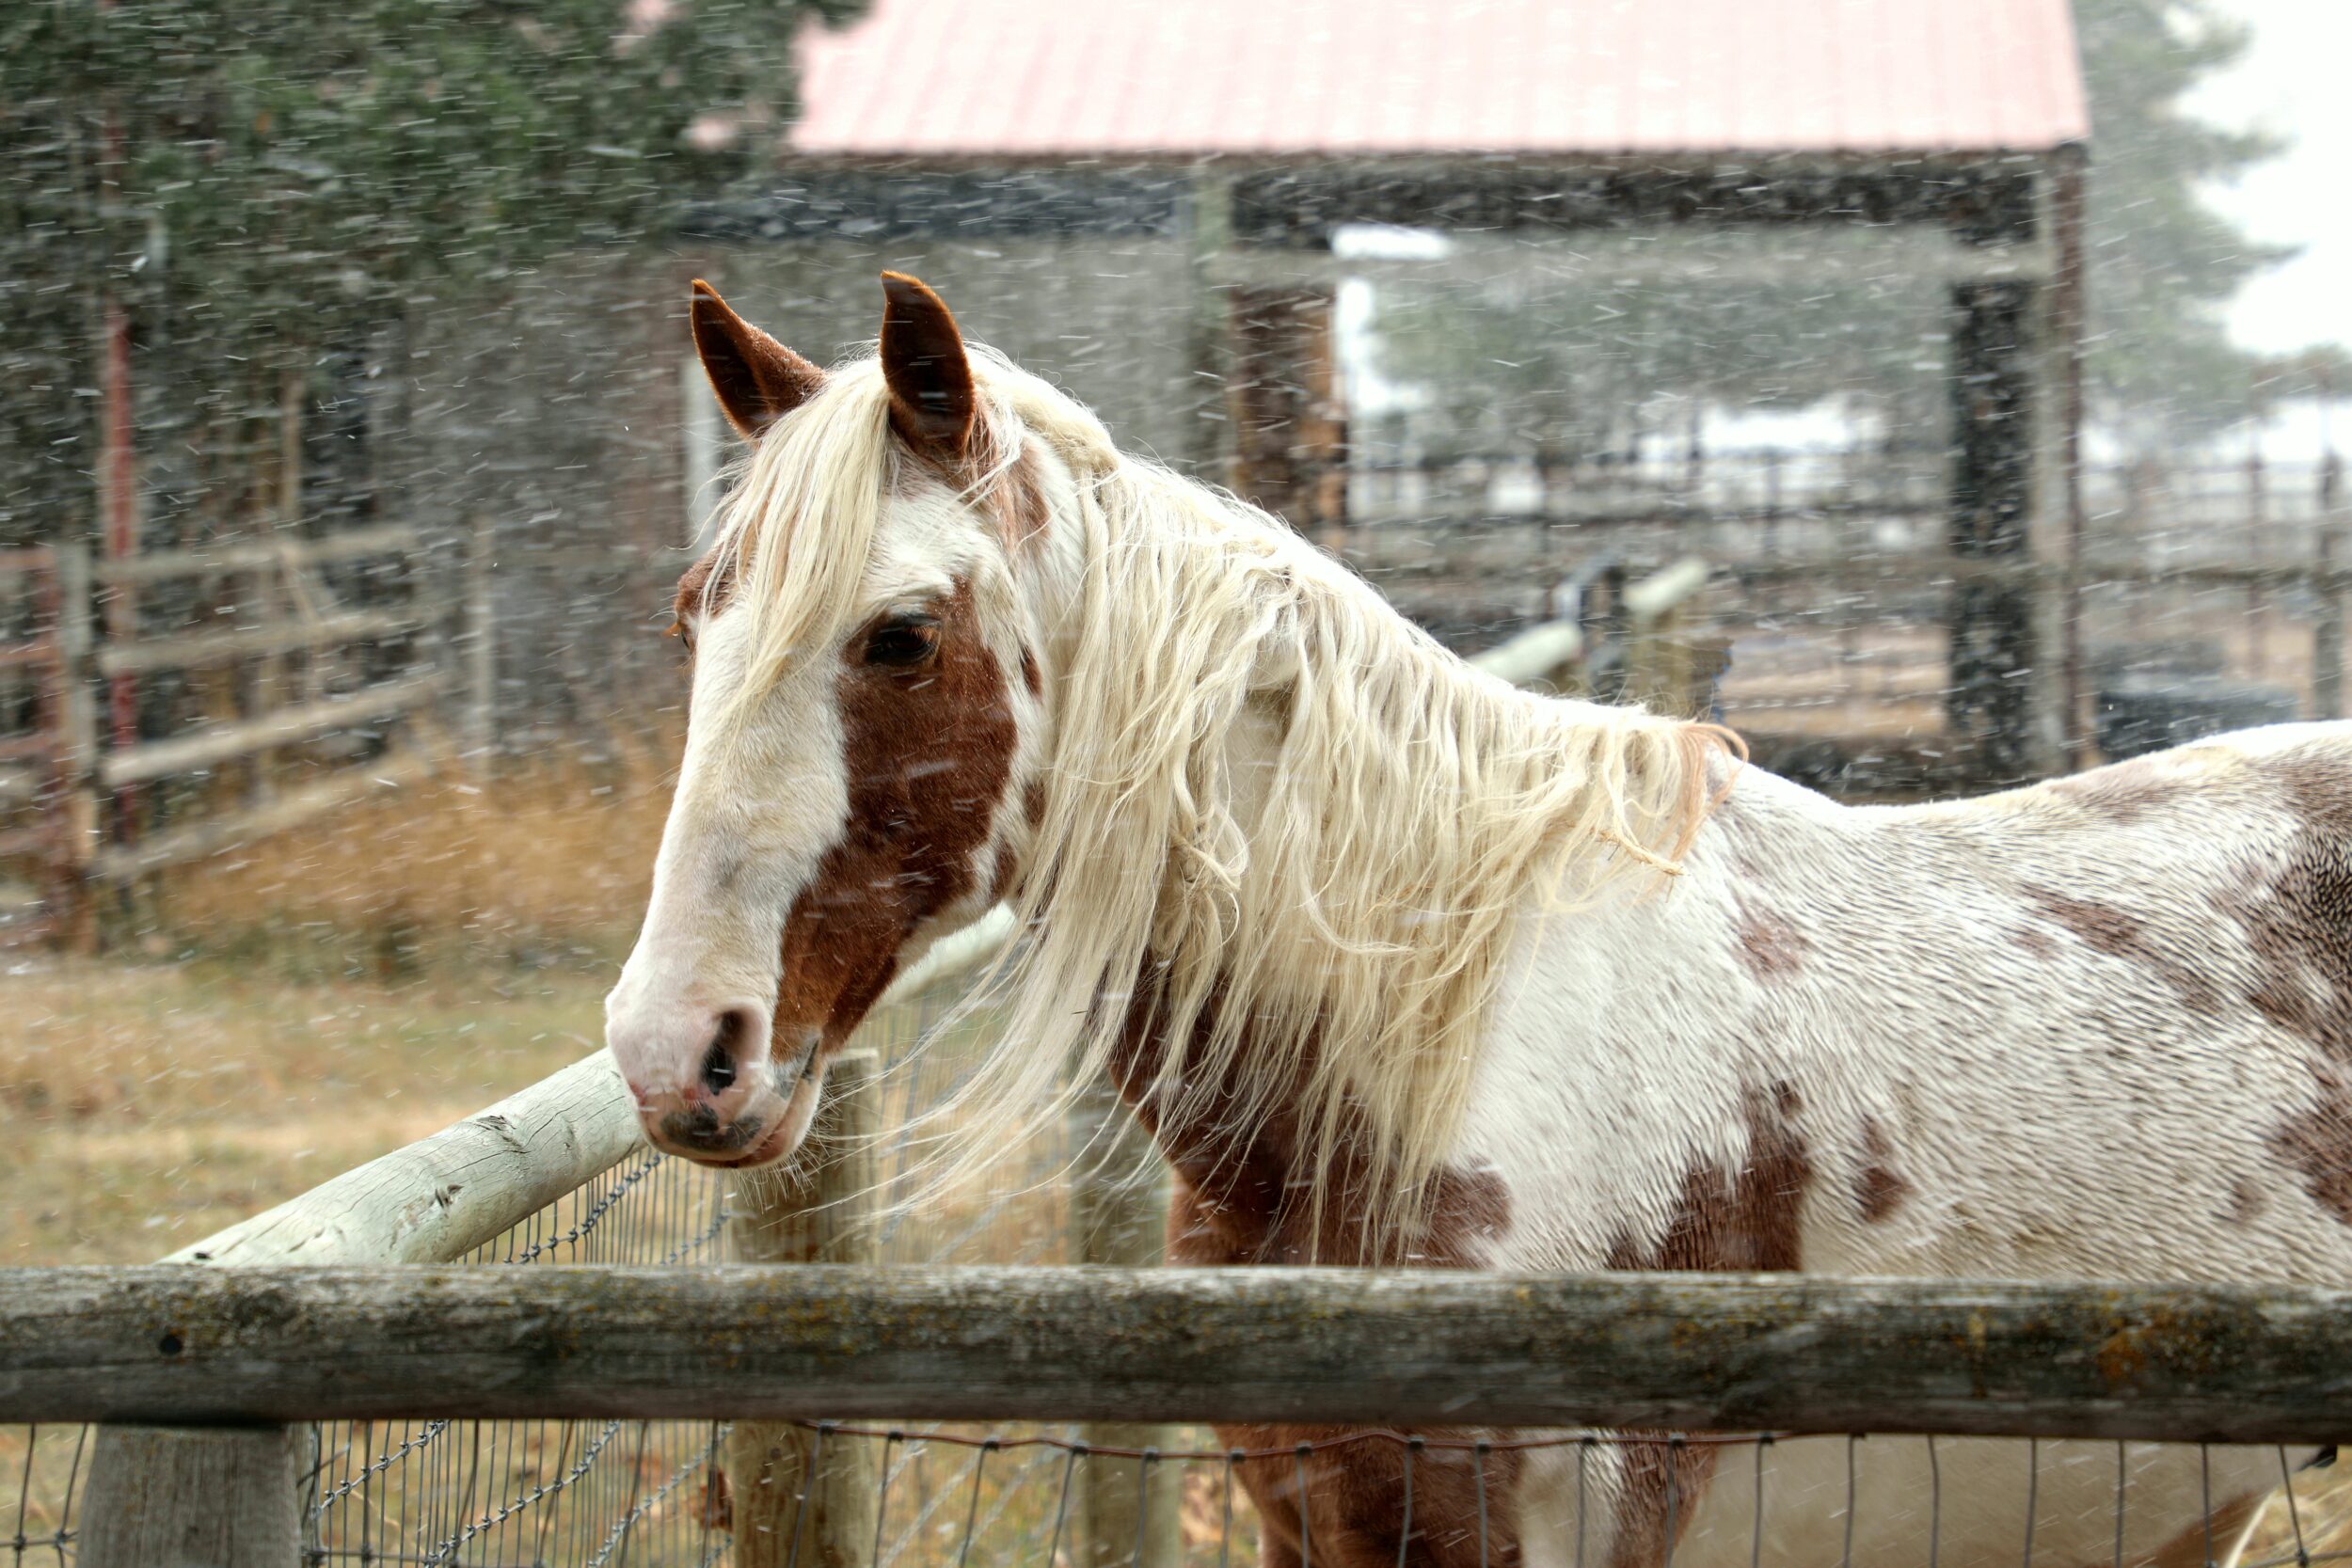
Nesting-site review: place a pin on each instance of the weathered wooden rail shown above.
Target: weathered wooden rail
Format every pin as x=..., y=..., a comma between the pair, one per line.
x=63, y=768
x=1777, y=1352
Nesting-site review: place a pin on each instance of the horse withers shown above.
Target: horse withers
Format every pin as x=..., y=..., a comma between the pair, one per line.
x=1403, y=967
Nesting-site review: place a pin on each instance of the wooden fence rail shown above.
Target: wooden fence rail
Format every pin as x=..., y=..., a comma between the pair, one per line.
x=60, y=769
x=1677, y=1352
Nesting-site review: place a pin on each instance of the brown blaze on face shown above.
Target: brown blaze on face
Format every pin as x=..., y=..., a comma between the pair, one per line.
x=930, y=738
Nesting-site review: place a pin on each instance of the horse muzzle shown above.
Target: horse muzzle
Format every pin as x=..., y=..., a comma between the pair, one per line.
x=709, y=1088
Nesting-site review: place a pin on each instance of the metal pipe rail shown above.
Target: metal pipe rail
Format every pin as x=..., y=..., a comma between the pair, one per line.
x=1679, y=1353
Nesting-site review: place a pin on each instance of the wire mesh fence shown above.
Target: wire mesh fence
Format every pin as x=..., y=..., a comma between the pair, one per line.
x=652, y=1493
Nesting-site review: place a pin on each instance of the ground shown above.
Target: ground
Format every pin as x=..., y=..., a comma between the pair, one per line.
x=146, y=1105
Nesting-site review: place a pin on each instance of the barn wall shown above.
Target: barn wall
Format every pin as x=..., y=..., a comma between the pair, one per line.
x=563, y=414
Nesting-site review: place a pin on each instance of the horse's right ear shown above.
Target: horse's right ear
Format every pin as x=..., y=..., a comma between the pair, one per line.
x=757, y=379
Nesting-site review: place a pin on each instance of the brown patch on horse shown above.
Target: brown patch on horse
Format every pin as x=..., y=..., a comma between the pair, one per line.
x=1744, y=1222
x=2119, y=934
x=928, y=750
x=2298, y=920
x=2214, y=1538
x=1661, y=1486
x=1770, y=948
x=1019, y=502
x=2316, y=1141
x=1244, y=1194
x=1032, y=681
x=2123, y=791
x=1355, y=1501
x=705, y=589
x=2247, y=1201
x=2036, y=942
x=1011, y=495
x=1740, y=1222
x=1880, y=1188
x=1240, y=1196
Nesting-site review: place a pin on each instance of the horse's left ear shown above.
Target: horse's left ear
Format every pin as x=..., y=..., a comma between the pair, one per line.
x=931, y=400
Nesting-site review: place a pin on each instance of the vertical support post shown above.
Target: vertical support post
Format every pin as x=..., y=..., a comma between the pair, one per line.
x=1999, y=705
x=2327, y=627
x=73, y=758
x=809, y=1215
x=273, y=595
x=1290, y=425
x=1209, y=211
x=1126, y=1514
x=481, y=636
x=194, y=1498
x=2069, y=322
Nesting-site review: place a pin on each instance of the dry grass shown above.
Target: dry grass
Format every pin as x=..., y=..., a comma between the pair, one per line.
x=541, y=857
x=142, y=1107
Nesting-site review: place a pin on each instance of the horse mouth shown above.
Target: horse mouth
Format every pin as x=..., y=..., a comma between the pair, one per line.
x=772, y=1148
x=764, y=1139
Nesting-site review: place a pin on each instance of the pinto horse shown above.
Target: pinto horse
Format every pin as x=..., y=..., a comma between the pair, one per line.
x=1403, y=967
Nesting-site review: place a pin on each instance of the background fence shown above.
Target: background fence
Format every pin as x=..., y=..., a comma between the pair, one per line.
x=2190, y=598
x=313, y=677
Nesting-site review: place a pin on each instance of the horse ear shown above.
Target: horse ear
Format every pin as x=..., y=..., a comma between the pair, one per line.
x=757, y=379
x=932, y=401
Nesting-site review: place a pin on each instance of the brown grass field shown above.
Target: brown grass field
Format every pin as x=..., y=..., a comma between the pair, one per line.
x=288, y=1012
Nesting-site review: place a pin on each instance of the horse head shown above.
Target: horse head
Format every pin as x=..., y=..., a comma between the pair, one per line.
x=866, y=714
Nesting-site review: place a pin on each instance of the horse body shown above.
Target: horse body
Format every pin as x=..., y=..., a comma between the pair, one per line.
x=2089, y=1029
x=1347, y=921
x=1881, y=1041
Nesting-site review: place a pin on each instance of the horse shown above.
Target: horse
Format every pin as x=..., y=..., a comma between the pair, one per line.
x=1403, y=967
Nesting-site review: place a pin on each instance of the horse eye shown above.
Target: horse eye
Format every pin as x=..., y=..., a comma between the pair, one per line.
x=906, y=639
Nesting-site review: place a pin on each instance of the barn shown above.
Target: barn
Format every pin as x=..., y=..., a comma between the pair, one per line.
x=1117, y=195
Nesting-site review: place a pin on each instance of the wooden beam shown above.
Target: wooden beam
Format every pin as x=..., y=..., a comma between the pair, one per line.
x=189, y=753
x=1679, y=1353
x=1831, y=254
x=212, y=647
x=223, y=831
x=441, y=1197
x=162, y=565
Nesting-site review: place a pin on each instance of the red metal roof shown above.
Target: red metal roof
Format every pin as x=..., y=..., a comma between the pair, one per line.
x=1091, y=78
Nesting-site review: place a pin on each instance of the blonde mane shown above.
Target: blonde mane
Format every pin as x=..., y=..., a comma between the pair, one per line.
x=1329, y=930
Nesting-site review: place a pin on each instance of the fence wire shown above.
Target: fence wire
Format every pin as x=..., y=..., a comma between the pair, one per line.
x=556, y=1492
x=623, y=1493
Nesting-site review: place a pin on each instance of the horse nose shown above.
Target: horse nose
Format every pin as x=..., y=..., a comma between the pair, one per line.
x=723, y=1059
x=679, y=1056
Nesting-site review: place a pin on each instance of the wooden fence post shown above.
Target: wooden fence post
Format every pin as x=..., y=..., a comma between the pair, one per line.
x=74, y=804
x=2327, y=627
x=480, y=635
x=804, y=1215
x=1127, y=1511
x=195, y=1498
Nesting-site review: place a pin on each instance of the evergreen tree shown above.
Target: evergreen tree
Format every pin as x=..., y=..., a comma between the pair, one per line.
x=260, y=179
x=2162, y=264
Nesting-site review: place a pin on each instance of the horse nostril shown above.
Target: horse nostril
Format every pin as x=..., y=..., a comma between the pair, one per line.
x=718, y=1073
